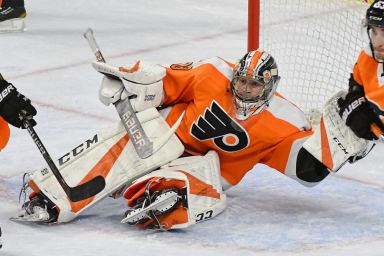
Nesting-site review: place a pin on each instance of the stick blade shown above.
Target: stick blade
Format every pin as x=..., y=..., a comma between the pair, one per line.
x=87, y=190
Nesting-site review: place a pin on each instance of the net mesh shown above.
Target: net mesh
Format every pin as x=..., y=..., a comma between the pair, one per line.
x=315, y=44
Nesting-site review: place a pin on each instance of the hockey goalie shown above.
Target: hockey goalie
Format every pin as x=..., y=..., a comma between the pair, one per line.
x=227, y=118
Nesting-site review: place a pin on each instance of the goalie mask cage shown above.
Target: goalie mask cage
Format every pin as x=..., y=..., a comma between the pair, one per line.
x=315, y=44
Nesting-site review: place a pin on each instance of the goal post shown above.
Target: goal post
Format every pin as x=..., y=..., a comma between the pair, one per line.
x=315, y=44
x=253, y=24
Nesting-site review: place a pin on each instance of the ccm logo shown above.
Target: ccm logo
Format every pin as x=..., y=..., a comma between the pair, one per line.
x=77, y=150
x=340, y=145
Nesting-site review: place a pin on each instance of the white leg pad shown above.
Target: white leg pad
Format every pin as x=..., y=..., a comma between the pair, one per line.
x=110, y=154
x=201, y=175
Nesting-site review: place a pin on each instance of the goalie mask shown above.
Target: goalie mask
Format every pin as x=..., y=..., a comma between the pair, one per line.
x=255, y=79
x=374, y=21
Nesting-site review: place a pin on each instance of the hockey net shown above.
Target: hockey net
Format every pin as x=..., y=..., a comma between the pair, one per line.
x=315, y=44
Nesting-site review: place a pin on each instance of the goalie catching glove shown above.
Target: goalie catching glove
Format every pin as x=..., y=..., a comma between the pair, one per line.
x=141, y=82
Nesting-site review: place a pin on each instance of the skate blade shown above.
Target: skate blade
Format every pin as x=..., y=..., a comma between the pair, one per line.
x=162, y=203
x=12, y=25
x=38, y=217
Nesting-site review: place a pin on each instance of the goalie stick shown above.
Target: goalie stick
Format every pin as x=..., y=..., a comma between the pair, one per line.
x=376, y=130
x=142, y=144
x=75, y=194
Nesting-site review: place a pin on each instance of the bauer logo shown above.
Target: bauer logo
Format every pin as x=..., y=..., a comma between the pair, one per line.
x=6, y=91
x=78, y=150
x=352, y=106
x=136, y=135
x=225, y=132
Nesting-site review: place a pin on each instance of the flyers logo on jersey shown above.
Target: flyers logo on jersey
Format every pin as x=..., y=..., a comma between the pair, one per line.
x=225, y=132
x=182, y=66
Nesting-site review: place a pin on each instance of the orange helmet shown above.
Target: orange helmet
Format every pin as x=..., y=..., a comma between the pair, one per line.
x=255, y=79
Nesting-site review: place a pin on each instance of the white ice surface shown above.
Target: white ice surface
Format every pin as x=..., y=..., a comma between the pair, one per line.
x=268, y=214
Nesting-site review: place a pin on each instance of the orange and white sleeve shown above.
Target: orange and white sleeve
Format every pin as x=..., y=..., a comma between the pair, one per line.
x=291, y=159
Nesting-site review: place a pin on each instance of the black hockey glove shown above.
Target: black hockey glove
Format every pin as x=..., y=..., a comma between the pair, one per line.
x=12, y=103
x=359, y=115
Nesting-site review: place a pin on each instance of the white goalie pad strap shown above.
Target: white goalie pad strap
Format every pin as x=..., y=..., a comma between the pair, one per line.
x=201, y=174
x=109, y=154
x=333, y=143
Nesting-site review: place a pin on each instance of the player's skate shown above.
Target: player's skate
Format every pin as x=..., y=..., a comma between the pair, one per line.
x=152, y=205
x=38, y=210
x=12, y=19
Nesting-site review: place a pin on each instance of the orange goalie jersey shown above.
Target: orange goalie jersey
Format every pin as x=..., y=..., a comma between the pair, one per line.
x=203, y=91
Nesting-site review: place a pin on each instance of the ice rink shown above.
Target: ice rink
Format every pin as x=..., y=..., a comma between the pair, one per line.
x=267, y=214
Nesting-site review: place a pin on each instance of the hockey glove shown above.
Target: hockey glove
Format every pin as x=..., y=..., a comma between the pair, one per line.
x=142, y=82
x=359, y=115
x=12, y=103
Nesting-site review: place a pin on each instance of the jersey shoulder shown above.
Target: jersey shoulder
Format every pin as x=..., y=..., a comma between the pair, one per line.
x=285, y=110
x=216, y=64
